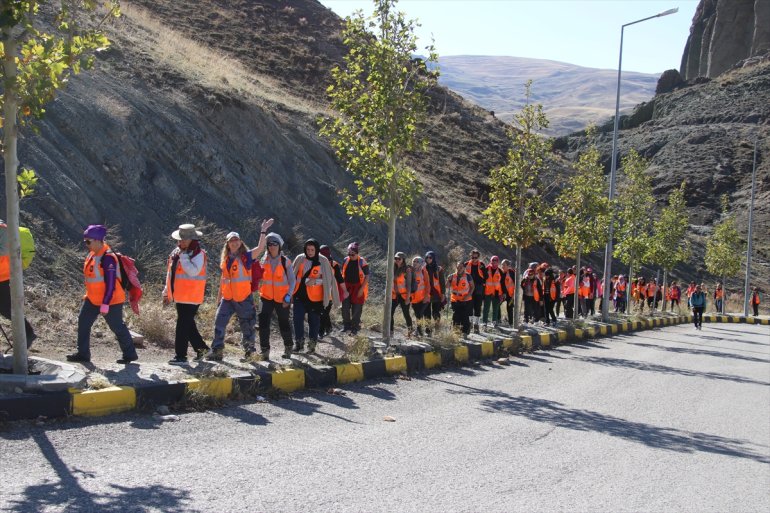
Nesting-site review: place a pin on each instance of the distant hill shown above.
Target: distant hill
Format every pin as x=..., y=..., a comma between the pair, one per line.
x=573, y=96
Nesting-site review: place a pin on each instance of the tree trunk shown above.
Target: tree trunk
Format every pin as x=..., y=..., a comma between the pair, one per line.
x=628, y=287
x=724, y=296
x=577, y=288
x=386, y=314
x=665, y=287
x=11, y=161
x=517, y=288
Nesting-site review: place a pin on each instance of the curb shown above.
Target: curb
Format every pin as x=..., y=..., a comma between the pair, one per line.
x=116, y=399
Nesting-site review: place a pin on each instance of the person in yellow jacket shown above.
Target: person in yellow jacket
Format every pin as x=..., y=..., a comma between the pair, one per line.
x=5, y=283
x=235, y=294
x=275, y=291
x=104, y=296
x=185, y=287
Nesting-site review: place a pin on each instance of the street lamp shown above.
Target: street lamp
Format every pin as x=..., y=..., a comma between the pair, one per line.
x=613, y=169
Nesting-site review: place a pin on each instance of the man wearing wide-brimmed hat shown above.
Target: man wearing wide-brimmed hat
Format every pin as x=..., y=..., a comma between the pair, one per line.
x=185, y=287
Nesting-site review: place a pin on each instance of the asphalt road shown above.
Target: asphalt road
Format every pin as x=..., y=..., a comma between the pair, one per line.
x=665, y=420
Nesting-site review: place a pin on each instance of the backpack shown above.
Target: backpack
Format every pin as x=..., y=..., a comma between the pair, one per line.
x=129, y=280
x=27, y=246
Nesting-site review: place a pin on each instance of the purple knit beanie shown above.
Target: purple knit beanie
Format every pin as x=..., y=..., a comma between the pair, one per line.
x=95, y=232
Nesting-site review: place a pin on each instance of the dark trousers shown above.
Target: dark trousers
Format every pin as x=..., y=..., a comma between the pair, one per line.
x=265, y=316
x=478, y=301
x=531, y=309
x=187, y=331
x=620, y=304
x=114, y=318
x=434, y=309
x=399, y=301
x=421, y=311
x=326, y=321
x=549, y=314
x=557, y=304
x=313, y=311
x=5, y=310
x=461, y=311
x=697, y=316
x=509, y=310
x=569, y=306
x=755, y=306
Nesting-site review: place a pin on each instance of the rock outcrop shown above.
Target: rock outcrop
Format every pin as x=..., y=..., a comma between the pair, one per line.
x=723, y=33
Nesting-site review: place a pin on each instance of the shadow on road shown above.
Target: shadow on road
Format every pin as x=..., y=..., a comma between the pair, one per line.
x=704, y=352
x=664, y=369
x=559, y=415
x=68, y=494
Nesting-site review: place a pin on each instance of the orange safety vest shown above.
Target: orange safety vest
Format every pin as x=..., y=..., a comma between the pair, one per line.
x=235, y=284
x=313, y=283
x=651, y=289
x=94, y=278
x=275, y=284
x=461, y=289
x=493, y=286
x=421, y=279
x=755, y=298
x=535, y=292
x=569, y=286
x=621, y=286
x=675, y=292
x=436, y=284
x=585, y=287
x=399, y=286
x=187, y=289
x=718, y=293
x=5, y=258
x=361, y=276
x=469, y=268
x=553, y=290
x=510, y=284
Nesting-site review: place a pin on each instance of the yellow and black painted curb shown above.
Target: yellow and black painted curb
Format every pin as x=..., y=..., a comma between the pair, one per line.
x=118, y=399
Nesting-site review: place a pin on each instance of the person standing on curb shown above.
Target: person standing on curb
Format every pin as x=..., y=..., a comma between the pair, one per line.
x=509, y=289
x=568, y=293
x=476, y=268
x=185, y=287
x=342, y=292
x=620, y=294
x=437, y=289
x=493, y=291
x=698, y=304
x=460, y=287
x=355, y=272
x=551, y=295
x=421, y=295
x=755, y=301
x=675, y=294
x=402, y=291
x=719, y=297
x=104, y=296
x=275, y=292
x=315, y=289
x=5, y=284
x=235, y=294
x=532, y=294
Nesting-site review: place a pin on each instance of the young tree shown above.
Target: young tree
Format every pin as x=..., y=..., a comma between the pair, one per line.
x=515, y=213
x=36, y=62
x=724, y=249
x=634, y=213
x=669, y=246
x=583, y=210
x=379, y=96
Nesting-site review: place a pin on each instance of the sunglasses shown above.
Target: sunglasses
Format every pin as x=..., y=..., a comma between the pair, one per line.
x=397, y=258
x=428, y=258
x=272, y=243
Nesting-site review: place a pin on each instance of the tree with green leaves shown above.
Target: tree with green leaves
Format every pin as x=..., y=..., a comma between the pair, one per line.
x=515, y=214
x=39, y=54
x=582, y=210
x=669, y=246
x=634, y=213
x=379, y=95
x=724, y=248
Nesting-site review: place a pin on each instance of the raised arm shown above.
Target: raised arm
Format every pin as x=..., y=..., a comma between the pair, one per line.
x=256, y=252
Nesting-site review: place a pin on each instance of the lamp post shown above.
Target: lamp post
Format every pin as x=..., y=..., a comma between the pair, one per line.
x=613, y=169
x=750, y=235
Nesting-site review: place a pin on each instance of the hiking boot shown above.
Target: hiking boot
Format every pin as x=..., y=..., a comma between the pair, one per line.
x=214, y=355
x=265, y=354
x=200, y=354
x=476, y=329
x=311, y=346
x=178, y=360
x=287, y=352
x=346, y=328
x=248, y=355
x=409, y=331
x=125, y=360
x=299, y=345
x=77, y=357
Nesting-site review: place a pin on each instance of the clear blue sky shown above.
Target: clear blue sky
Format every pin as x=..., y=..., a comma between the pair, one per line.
x=582, y=32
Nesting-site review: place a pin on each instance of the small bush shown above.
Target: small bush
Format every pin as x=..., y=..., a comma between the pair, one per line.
x=359, y=350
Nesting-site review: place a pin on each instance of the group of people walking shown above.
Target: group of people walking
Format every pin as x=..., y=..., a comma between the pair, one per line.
x=313, y=282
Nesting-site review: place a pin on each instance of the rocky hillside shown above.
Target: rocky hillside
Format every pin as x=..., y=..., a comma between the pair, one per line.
x=573, y=96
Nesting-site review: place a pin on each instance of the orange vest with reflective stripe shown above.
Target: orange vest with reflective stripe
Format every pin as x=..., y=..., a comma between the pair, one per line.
x=755, y=298
x=718, y=293
x=313, y=283
x=461, y=289
x=535, y=291
x=275, y=284
x=493, y=284
x=360, y=264
x=585, y=287
x=399, y=286
x=553, y=290
x=469, y=268
x=510, y=284
x=236, y=280
x=421, y=279
x=436, y=284
x=187, y=289
x=652, y=289
x=569, y=285
x=94, y=278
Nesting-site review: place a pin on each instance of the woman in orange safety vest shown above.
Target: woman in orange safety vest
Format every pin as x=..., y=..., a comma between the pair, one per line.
x=755, y=301
x=509, y=288
x=421, y=295
x=493, y=291
x=461, y=288
x=402, y=291
x=104, y=295
x=235, y=294
x=719, y=297
x=185, y=287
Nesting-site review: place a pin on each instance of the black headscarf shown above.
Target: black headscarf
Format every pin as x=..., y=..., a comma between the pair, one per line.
x=432, y=267
x=314, y=243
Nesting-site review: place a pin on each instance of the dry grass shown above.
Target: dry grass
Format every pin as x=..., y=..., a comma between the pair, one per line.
x=97, y=382
x=198, y=400
x=359, y=350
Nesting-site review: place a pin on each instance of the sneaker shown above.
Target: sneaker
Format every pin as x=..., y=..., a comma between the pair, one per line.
x=77, y=357
x=125, y=360
x=200, y=354
x=178, y=360
x=214, y=355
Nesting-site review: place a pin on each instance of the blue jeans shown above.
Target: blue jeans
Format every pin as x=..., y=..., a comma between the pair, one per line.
x=88, y=315
x=313, y=320
x=247, y=317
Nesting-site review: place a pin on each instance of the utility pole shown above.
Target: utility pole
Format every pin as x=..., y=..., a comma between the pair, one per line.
x=746, y=288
